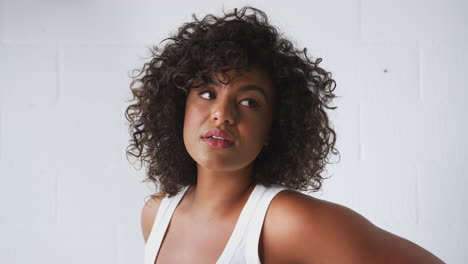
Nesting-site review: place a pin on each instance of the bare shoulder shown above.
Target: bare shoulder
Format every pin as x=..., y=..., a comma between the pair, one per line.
x=302, y=229
x=148, y=213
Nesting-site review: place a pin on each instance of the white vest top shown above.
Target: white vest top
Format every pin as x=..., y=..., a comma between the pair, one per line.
x=242, y=246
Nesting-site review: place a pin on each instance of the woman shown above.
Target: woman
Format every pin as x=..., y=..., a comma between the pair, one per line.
x=230, y=120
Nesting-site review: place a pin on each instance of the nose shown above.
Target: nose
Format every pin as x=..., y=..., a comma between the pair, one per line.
x=224, y=112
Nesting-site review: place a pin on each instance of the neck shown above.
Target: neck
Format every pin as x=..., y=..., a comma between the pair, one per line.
x=218, y=193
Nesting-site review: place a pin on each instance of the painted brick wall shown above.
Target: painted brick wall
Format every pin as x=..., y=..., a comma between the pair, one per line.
x=67, y=192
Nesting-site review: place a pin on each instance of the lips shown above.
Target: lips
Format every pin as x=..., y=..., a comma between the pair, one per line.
x=219, y=133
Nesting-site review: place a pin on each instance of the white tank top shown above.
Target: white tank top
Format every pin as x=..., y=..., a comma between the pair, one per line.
x=242, y=246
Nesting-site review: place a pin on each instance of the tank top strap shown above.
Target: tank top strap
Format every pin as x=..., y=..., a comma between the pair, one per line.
x=242, y=225
x=256, y=223
x=160, y=224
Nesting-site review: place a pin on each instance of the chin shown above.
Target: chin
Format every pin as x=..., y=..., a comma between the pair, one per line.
x=221, y=164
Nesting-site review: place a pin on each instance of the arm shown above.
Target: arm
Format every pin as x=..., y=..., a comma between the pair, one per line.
x=309, y=230
x=396, y=249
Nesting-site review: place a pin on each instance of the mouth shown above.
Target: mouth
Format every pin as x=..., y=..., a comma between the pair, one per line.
x=217, y=143
x=218, y=138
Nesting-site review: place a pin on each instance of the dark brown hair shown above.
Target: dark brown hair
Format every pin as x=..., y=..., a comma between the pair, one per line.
x=301, y=136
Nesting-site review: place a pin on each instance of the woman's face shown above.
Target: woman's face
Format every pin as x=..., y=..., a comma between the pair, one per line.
x=243, y=108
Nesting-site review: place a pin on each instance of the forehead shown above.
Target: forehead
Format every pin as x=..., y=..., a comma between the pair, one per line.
x=255, y=79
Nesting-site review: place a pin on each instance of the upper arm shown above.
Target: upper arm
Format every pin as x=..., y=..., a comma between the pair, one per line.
x=148, y=214
x=395, y=249
x=309, y=230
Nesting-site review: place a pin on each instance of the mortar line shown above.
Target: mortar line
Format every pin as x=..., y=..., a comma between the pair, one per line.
x=2, y=131
x=57, y=198
x=420, y=73
x=4, y=18
x=361, y=145
x=117, y=249
x=59, y=74
x=359, y=14
x=418, y=193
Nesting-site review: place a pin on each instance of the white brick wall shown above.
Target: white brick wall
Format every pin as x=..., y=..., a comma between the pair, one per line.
x=67, y=193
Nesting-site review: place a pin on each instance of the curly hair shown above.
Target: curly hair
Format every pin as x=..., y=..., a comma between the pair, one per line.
x=301, y=136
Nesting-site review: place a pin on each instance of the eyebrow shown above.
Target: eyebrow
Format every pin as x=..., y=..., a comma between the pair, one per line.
x=252, y=87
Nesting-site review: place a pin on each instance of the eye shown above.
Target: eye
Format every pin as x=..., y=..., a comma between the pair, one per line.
x=203, y=92
x=251, y=102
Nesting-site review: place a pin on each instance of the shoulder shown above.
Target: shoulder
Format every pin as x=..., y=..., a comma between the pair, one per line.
x=148, y=213
x=302, y=229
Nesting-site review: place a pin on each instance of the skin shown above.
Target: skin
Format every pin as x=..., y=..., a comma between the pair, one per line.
x=298, y=228
x=224, y=175
x=303, y=229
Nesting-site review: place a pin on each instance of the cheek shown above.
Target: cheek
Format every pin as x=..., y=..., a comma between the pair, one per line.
x=258, y=129
x=192, y=121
